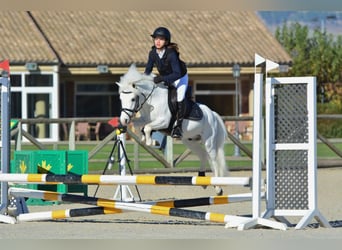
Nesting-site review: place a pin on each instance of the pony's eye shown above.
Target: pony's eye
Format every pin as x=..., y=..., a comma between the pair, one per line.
x=133, y=85
x=133, y=99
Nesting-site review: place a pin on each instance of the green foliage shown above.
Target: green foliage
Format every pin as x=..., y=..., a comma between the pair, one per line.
x=318, y=54
x=330, y=128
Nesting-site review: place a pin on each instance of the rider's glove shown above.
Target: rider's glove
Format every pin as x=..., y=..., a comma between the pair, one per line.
x=157, y=79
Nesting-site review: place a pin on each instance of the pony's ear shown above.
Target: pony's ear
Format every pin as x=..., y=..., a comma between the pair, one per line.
x=118, y=84
x=133, y=67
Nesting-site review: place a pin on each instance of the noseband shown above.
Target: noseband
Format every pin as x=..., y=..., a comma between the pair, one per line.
x=137, y=106
x=128, y=111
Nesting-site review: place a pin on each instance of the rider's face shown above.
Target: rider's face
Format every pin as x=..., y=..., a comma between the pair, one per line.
x=159, y=42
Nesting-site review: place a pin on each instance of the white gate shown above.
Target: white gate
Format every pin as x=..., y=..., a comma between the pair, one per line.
x=291, y=161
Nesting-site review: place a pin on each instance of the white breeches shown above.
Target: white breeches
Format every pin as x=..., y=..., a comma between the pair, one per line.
x=181, y=85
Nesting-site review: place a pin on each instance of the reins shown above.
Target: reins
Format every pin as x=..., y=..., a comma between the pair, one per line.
x=136, y=107
x=146, y=97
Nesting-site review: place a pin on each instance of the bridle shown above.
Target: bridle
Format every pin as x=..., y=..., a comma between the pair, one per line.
x=137, y=106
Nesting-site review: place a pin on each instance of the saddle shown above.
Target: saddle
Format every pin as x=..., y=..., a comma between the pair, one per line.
x=192, y=111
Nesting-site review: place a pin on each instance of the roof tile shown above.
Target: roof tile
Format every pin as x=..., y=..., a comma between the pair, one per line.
x=119, y=38
x=21, y=41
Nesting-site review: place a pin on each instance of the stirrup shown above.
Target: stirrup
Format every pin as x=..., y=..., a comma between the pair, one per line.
x=176, y=133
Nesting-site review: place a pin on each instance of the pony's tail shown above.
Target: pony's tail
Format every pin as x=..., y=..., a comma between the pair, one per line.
x=221, y=137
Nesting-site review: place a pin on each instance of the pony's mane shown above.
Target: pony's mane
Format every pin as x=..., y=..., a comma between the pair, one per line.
x=133, y=78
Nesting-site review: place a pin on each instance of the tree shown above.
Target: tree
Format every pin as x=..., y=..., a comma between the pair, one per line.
x=318, y=54
x=295, y=41
x=323, y=59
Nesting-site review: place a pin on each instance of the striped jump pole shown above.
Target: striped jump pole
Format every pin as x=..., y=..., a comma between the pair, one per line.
x=66, y=213
x=206, y=201
x=231, y=220
x=109, y=207
x=127, y=180
x=108, y=203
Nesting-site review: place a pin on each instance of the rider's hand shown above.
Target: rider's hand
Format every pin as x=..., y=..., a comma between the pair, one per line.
x=157, y=79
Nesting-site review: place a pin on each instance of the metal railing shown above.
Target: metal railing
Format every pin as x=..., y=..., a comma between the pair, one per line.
x=18, y=133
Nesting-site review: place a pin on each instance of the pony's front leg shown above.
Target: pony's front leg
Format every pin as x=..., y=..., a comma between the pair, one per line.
x=155, y=125
x=196, y=147
x=141, y=133
x=139, y=127
x=147, y=131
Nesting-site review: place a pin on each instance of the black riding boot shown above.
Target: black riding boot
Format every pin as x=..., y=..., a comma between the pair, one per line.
x=177, y=130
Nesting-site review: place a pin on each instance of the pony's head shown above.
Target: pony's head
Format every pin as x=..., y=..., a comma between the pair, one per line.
x=133, y=79
x=130, y=86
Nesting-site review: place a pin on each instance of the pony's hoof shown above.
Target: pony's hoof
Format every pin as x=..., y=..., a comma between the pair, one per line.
x=148, y=142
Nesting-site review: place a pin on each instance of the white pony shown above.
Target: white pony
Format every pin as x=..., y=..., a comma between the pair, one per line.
x=205, y=137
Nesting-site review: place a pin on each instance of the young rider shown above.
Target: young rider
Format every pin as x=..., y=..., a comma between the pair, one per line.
x=172, y=71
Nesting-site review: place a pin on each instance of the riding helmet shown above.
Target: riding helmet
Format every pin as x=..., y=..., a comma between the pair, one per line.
x=163, y=32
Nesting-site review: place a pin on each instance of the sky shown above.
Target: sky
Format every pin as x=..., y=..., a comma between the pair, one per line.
x=171, y=5
x=330, y=21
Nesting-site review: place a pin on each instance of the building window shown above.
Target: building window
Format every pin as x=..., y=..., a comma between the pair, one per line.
x=35, y=80
x=97, y=100
x=16, y=107
x=36, y=96
x=15, y=80
x=220, y=96
x=215, y=87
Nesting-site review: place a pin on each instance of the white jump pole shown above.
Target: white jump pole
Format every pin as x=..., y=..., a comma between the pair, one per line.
x=139, y=207
x=121, y=180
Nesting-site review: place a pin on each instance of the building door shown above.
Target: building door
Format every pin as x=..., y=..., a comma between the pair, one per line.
x=38, y=106
x=35, y=95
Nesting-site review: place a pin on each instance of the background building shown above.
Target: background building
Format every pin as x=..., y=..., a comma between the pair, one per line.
x=65, y=64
